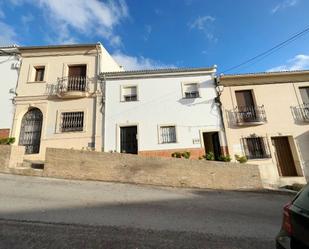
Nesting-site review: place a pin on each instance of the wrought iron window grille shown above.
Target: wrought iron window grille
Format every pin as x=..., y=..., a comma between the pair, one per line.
x=168, y=134
x=72, y=121
x=256, y=147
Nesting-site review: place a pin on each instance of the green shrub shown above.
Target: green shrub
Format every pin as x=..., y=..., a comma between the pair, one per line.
x=225, y=158
x=176, y=155
x=186, y=154
x=210, y=156
x=7, y=140
x=241, y=159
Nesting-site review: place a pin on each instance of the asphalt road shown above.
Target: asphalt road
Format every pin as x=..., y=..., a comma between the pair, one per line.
x=52, y=213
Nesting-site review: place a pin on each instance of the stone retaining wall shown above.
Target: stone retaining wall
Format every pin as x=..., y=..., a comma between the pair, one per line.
x=86, y=165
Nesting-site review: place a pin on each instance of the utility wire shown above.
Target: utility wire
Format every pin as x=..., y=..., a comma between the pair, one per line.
x=271, y=50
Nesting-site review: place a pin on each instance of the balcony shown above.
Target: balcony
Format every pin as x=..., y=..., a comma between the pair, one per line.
x=301, y=113
x=249, y=115
x=73, y=87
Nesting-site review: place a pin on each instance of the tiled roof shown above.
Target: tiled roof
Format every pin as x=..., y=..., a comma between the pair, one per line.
x=158, y=71
x=59, y=46
x=264, y=73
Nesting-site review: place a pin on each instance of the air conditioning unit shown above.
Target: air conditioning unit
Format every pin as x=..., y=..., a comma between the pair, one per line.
x=16, y=65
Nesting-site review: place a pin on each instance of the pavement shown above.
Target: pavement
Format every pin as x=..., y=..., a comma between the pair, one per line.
x=52, y=213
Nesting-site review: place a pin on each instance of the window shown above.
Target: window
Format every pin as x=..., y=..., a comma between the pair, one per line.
x=168, y=134
x=72, y=121
x=129, y=93
x=304, y=92
x=190, y=90
x=256, y=147
x=39, y=73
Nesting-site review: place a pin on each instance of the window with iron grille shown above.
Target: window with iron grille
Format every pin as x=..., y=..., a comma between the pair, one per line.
x=190, y=90
x=256, y=147
x=72, y=121
x=168, y=134
x=129, y=93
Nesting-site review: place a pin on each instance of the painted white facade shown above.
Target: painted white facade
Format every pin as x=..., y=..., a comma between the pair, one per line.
x=9, y=73
x=160, y=102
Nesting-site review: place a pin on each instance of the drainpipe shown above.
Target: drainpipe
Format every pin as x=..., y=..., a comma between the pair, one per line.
x=103, y=90
x=219, y=103
x=97, y=73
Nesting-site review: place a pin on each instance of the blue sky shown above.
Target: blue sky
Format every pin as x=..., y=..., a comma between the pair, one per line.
x=166, y=33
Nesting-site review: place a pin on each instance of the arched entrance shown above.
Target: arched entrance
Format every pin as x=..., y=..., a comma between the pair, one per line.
x=30, y=132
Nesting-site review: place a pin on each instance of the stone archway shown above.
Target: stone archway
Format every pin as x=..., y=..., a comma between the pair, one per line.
x=30, y=132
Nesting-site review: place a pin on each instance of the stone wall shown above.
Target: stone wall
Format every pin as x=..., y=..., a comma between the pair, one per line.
x=85, y=165
x=11, y=156
x=5, y=153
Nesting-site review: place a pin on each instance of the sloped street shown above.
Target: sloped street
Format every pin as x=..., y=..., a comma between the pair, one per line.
x=53, y=213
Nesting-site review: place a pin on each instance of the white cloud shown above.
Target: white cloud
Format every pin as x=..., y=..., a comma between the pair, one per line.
x=2, y=15
x=283, y=5
x=138, y=63
x=88, y=17
x=299, y=62
x=201, y=23
x=7, y=35
x=205, y=25
x=148, y=30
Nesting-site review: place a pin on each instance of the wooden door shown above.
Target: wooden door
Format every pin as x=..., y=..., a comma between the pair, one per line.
x=79, y=70
x=128, y=140
x=285, y=161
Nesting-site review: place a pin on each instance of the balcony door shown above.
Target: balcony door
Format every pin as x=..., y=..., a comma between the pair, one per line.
x=244, y=98
x=77, y=78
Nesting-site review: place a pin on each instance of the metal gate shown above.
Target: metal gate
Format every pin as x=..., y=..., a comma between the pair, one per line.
x=30, y=132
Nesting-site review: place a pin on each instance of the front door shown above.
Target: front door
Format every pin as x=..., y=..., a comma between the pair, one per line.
x=128, y=139
x=285, y=161
x=216, y=145
x=30, y=132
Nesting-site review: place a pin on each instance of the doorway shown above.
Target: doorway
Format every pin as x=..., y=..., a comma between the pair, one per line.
x=284, y=156
x=30, y=132
x=128, y=139
x=212, y=143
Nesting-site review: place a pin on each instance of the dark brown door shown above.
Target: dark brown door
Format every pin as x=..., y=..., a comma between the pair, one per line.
x=79, y=70
x=244, y=98
x=284, y=156
x=77, y=78
x=128, y=140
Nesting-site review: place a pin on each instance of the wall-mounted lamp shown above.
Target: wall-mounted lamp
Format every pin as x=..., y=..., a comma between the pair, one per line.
x=219, y=89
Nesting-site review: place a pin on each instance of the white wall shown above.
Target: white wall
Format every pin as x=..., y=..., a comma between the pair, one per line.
x=161, y=102
x=8, y=80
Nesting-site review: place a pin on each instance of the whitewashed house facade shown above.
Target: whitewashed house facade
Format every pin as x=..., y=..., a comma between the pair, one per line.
x=158, y=112
x=9, y=66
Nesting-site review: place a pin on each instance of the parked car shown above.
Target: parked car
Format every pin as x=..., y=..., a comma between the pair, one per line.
x=294, y=232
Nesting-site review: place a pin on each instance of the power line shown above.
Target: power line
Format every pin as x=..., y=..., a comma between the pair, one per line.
x=271, y=50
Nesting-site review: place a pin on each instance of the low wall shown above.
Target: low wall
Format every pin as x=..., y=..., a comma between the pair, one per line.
x=11, y=156
x=85, y=165
x=5, y=154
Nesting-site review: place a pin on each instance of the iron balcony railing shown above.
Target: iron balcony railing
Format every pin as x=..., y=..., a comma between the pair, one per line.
x=250, y=114
x=73, y=84
x=301, y=112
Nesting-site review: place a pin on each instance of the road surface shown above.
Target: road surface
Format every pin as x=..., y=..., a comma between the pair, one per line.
x=51, y=213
